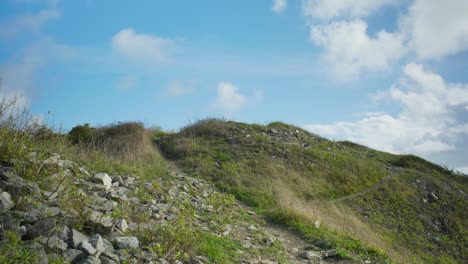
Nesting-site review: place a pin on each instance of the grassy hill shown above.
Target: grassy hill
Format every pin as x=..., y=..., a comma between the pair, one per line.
x=367, y=203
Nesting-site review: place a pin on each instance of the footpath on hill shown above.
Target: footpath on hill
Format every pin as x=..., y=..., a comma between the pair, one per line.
x=74, y=215
x=294, y=248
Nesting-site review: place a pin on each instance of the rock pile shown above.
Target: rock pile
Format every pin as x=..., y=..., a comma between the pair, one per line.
x=84, y=217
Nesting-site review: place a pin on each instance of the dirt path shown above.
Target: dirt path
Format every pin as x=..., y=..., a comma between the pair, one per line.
x=293, y=244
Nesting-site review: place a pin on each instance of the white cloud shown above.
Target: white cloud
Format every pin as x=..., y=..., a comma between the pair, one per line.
x=141, y=48
x=27, y=23
x=178, y=88
x=279, y=6
x=229, y=99
x=427, y=123
x=436, y=28
x=350, y=51
x=328, y=9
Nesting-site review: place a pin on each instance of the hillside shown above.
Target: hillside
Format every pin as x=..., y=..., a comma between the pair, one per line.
x=368, y=204
x=221, y=192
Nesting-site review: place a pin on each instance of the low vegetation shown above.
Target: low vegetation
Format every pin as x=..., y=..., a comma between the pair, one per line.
x=360, y=197
x=368, y=205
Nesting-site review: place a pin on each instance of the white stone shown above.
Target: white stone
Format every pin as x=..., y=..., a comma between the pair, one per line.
x=104, y=179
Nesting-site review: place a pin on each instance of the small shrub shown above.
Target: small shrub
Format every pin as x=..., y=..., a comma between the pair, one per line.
x=211, y=127
x=81, y=134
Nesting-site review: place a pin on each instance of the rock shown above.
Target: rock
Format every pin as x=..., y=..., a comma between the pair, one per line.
x=110, y=256
x=53, y=159
x=126, y=242
x=104, y=179
x=106, y=260
x=108, y=247
x=171, y=217
x=89, y=260
x=44, y=211
x=54, y=243
x=98, y=243
x=323, y=244
x=310, y=255
x=77, y=238
x=64, y=233
x=73, y=255
x=227, y=230
x=317, y=224
x=100, y=219
x=268, y=241
x=43, y=227
x=66, y=164
x=252, y=227
x=6, y=173
x=87, y=248
x=121, y=224
x=329, y=253
x=128, y=180
x=14, y=185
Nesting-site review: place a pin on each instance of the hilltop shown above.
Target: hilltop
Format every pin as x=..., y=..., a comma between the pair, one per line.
x=220, y=192
x=368, y=203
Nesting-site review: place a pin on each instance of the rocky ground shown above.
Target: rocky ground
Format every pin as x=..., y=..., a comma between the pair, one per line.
x=76, y=216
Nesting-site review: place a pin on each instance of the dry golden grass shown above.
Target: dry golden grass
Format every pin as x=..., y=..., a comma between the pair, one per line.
x=337, y=217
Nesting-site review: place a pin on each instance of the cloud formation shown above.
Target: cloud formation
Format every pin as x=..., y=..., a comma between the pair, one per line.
x=435, y=28
x=229, y=99
x=429, y=30
x=349, y=50
x=141, y=48
x=328, y=9
x=426, y=124
x=279, y=6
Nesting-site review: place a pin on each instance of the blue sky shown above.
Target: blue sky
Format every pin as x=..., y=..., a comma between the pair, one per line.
x=390, y=74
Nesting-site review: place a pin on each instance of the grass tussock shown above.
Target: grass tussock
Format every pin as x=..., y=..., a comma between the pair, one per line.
x=297, y=178
x=340, y=219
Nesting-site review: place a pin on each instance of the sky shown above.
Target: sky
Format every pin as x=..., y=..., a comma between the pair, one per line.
x=388, y=74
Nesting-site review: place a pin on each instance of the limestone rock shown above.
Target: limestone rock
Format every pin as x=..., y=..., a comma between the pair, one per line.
x=5, y=202
x=89, y=260
x=104, y=179
x=77, y=238
x=87, y=248
x=310, y=255
x=121, y=224
x=98, y=243
x=43, y=227
x=73, y=255
x=126, y=242
x=329, y=253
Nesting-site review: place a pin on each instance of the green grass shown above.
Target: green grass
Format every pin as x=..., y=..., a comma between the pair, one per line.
x=218, y=249
x=270, y=166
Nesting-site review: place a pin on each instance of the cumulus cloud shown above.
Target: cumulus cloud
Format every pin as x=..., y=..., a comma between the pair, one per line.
x=229, y=99
x=279, y=6
x=328, y=9
x=141, y=48
x=436, y=28
x=178, y=88
x=427, y=123
x=429, y=29
x=350, y=51
x=27, y=23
